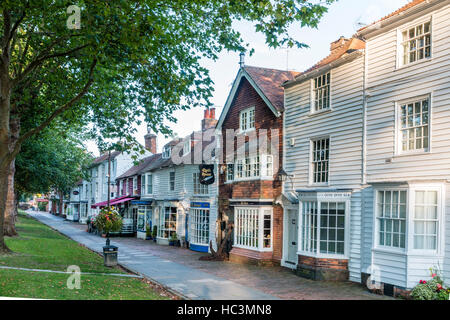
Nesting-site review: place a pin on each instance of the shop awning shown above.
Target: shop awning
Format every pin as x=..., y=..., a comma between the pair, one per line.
x=41, y=200
x=120, y=201
x=111, y=202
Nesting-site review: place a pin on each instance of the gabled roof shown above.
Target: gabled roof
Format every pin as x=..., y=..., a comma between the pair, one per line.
x=395, y=13
x=104, y=157
x=141, y=167
x=267, y=83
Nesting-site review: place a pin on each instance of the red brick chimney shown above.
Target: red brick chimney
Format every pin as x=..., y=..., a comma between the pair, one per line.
x=339, y=43
x=150, y=142
x=209, y=119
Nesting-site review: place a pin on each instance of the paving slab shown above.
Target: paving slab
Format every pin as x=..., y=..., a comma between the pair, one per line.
x=190, y=282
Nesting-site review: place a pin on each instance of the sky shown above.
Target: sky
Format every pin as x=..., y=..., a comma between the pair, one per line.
x=343, y=19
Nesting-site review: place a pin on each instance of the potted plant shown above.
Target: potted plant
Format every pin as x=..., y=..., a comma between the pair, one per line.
x=154, y=233
x=107, y=221
x=148, y=232
x=173, y=239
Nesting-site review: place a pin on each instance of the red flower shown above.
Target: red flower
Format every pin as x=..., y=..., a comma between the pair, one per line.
x=433, y=275
x=439, y=286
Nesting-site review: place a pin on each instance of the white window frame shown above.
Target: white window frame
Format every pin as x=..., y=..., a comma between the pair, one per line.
x=398, y=124
x=143, y=179
x=249, y=123
x=172, y=183
x=311, y=161
x=376, y=235
x=409, y=247
x=162, y=221
x=166, y=152
x=135, y=185
x=149, y=178
x=197, y=187
x=121, y=187
x=186, y=146
x=230, y=172
x=399, y=49
x=313, y=96
x=260, y=211
x=320, y=199
x=197, y=235
x=252, y=168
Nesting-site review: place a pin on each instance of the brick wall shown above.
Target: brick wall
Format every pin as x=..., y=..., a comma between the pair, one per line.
x=246, y=97
x=322, y=268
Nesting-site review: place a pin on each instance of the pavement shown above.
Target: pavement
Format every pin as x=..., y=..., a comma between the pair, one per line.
x=181, y=271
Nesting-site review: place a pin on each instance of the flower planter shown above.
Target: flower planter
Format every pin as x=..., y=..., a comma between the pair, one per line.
x=171, y=243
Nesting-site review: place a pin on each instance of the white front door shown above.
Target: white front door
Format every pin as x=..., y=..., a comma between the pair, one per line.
x=292, y=236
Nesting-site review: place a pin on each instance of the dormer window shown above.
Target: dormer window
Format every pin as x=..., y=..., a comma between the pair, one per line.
x=247, y=119
x=166, y=152
x=321, y=93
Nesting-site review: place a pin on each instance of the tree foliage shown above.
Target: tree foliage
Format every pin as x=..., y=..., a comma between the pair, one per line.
x=50, y=162
x=130, y=60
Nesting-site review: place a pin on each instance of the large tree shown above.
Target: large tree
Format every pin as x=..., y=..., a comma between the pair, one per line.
x=129, y=58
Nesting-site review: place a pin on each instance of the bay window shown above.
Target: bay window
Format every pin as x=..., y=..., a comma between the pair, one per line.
x=253, y=228
x=426, y=220
x=409, y=218
x=250, y=168
x=391, y=217
x=199, y=223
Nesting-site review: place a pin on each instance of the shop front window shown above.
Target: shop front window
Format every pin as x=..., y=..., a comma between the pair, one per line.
x=323, y=227
x=168, y=223
x=199, y=233
x=253, y=228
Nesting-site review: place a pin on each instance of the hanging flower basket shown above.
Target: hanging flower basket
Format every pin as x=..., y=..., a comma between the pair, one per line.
x=108, y=221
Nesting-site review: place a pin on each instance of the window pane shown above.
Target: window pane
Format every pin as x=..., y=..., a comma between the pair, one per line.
x=392, y=221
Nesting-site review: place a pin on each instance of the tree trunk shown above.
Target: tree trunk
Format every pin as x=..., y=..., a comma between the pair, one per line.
x=4, y=171
x=60, y=194
x=9, y=226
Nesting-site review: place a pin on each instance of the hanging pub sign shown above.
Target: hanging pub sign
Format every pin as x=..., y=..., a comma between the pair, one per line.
x=206, y=173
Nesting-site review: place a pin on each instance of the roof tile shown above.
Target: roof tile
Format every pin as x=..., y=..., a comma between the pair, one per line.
x=269, y=82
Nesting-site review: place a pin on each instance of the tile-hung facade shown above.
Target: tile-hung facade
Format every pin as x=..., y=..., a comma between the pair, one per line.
x=406, y=202
x=169, y=195
x=323, y=130
x=248, y=184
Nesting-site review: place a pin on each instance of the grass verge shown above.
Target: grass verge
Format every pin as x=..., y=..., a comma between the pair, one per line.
x=40, y=247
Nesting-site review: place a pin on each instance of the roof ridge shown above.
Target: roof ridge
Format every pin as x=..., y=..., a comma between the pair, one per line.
x=407, y=6
x=273, y=69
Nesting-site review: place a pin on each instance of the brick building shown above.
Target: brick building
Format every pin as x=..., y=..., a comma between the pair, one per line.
x=250, y=128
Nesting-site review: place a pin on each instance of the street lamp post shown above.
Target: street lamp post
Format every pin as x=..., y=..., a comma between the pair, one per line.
x=109, y=193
